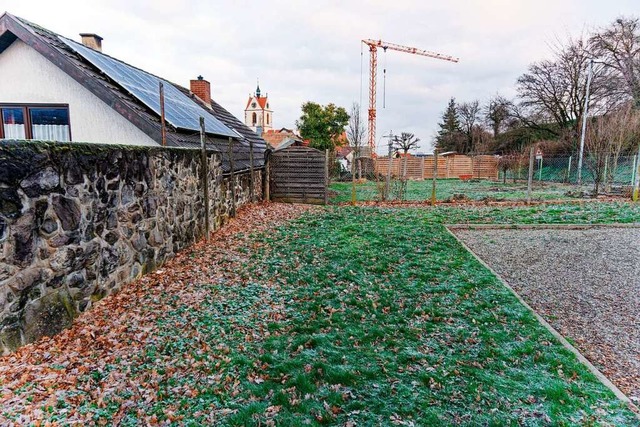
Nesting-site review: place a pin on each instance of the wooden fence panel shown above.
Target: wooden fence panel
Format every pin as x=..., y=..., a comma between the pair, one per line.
x=452, y=166
x=428, y=167
x=459, y=164
x=485, y=167
x=298, y=175
x=382, y=166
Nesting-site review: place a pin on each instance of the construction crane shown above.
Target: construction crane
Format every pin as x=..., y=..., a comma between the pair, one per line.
x=373, y=76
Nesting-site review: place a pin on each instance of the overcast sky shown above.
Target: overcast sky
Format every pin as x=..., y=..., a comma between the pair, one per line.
x=311, y=51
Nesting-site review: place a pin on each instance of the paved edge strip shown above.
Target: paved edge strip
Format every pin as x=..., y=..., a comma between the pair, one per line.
x=540, y=226
x=595, y=371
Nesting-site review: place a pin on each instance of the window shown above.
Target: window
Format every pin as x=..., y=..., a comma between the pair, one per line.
x=13, y=123
x=254, y=119
x=41, y=122
x=267, y=119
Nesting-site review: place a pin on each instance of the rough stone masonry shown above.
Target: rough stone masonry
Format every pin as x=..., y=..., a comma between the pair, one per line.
x=79, y=220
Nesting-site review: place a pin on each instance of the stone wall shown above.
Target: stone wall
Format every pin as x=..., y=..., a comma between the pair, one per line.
x=77, y=221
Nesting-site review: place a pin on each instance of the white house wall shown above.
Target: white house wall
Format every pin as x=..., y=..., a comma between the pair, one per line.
x=29, y=78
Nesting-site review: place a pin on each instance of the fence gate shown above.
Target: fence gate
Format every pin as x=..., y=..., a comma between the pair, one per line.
x=299, y=175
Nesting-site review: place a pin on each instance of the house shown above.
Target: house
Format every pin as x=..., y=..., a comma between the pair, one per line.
x=345, y=156
x=282, y=138
x=118, y=191
x=54, y=88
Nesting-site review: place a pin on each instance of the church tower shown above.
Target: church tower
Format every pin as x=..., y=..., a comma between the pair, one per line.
x=258, y=115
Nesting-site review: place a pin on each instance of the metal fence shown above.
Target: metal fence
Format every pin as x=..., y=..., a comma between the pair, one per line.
x=565, y=169
x=492, y=177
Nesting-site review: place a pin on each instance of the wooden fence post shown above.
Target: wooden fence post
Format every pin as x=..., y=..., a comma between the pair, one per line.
x=267, y=183
x=232, y=180
x=251, y=176
x=636, y=184
x=353, y=180
x=530, y=179
x=435, y=176
x=326, y=177
x=389, y=164
x=205, y=180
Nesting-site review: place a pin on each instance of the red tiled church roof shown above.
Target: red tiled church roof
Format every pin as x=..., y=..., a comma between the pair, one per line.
x=262, y=101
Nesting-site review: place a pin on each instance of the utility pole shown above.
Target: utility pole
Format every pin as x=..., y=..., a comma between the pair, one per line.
x=584, y=121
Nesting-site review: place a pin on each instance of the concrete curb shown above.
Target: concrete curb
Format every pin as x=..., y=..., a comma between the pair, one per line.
x=595, y=371
x=539, y=226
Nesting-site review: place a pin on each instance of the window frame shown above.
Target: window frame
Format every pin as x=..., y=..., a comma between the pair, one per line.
x=26, y=111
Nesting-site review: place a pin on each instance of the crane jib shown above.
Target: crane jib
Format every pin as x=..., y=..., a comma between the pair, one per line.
x=373, y=74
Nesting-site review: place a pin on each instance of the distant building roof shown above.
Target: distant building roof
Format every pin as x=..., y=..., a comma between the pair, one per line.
x=343, y=151
x=262, y=101
x=275, y=138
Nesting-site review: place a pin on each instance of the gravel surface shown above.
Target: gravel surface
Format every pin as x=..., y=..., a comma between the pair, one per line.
x=586, y=283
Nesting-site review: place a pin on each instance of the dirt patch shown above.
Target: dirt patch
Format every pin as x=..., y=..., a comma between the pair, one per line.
x=484, y=202
x=585, y=283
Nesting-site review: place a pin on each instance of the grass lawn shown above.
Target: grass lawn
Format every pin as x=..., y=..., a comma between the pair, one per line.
x=446, y=188
x=352, y=316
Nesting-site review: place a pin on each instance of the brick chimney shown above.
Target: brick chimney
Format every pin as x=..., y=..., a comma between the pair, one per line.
x=91, y=40
x=202, y=89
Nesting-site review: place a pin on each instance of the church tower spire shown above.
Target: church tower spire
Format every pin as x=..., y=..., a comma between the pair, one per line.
x=258, y=114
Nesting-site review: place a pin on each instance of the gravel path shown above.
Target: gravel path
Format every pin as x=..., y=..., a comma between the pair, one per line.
x=586, y=283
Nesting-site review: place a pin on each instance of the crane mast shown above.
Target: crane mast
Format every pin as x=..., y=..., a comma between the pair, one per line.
x=373, y=75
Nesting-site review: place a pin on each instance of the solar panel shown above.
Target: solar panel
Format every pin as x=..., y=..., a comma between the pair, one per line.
x=180, y=111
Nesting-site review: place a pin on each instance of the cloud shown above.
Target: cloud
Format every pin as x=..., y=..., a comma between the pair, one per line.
x=311, y=50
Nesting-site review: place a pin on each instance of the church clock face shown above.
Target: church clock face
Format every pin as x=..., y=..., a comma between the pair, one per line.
x=253, y=105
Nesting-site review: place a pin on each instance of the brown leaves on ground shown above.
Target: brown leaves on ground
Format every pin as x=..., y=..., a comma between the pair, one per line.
x=118, y=328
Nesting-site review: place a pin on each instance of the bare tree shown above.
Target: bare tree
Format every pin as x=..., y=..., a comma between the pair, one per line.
x=553, y=92
x=405, y=142
x=607, y=137
x=469, y=113
x=623, y=127
x=513, y=162
x=496, y=113
x=356, y=135
x=618, y=46
x=482, y=139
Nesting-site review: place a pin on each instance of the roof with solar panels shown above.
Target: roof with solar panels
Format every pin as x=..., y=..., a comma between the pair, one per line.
x=134, y=93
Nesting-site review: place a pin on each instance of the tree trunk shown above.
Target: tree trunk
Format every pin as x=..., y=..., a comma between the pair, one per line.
x=404, y=168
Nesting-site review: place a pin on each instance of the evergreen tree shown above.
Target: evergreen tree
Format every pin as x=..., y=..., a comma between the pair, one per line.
x=450, y=136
